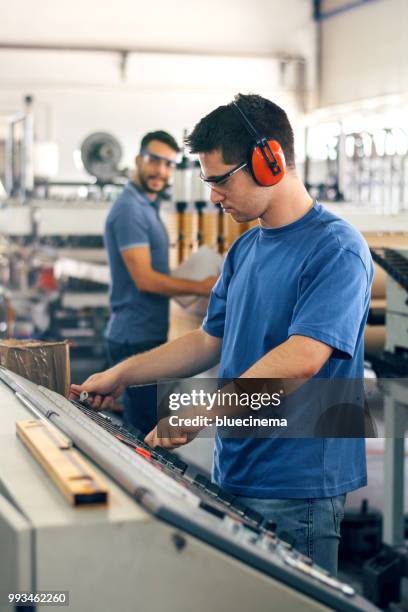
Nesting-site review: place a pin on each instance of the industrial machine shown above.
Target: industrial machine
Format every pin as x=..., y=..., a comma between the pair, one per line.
x=382, y=574
x=169, y=538
x=101, y=154
x=394, y=361
x=42, y=220
x=368, y=168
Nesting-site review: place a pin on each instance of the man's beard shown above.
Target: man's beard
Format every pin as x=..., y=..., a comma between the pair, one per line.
x=146, y=188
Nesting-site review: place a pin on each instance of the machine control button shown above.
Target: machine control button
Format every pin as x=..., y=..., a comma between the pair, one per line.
x=270, y=526
x=253, y=515
x=239, y=507
x=225, y=497
x=201, y=481
x=213, y=489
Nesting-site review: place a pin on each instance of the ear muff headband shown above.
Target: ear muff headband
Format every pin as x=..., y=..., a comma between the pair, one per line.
x=266, y=159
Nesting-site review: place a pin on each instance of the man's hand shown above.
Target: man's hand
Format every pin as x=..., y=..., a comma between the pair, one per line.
x=172, y=436
x=103, y=389
x=139, y=265
x=207, y=284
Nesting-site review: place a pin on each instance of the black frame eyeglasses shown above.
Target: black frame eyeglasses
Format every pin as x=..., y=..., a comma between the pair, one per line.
x=214, y=181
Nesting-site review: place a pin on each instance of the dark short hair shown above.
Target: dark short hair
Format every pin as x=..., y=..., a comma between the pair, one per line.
x=161, y=136
x=223, y=129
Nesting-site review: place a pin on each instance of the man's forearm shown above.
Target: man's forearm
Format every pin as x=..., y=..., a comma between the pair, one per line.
x=163, y=284
x=296, y=360
x=285, y=368
x=187, y=356
x=297, y=357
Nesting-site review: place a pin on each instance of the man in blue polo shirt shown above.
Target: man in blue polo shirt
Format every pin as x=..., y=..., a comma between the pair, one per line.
x=138, y=252
x=292, y=302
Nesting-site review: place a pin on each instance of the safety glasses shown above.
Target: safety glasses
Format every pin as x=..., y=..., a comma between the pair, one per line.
x=152, y=158
x=215, y=181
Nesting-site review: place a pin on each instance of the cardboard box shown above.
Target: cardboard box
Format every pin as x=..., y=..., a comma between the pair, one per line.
x=43, y=363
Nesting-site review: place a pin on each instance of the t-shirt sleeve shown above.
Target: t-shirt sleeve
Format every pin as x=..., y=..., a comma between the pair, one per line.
x=214, y=320
x=332, y=301
x=131, y=228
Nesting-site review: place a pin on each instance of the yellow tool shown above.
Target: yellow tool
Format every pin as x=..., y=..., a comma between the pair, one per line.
x=75, y=478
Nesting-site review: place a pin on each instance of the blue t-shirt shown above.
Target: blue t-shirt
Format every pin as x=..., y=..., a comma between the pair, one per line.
x=309, y=278
x=134, y=221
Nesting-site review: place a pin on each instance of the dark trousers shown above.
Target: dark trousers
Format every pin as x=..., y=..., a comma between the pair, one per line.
x=139, y=404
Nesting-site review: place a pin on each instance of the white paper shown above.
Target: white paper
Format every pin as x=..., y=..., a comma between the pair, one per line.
x=201, y=264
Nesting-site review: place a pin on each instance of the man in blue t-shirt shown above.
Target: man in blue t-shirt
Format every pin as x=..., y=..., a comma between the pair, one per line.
x=138, y=253
x=292, y=302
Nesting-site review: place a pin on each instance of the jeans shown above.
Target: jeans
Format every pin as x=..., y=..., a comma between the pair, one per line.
x=139, y=404
x=313, y=525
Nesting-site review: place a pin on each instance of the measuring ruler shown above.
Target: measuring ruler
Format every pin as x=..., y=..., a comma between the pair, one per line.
x=72, y=474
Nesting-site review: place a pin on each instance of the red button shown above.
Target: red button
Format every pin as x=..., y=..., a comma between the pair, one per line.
x=142, y=451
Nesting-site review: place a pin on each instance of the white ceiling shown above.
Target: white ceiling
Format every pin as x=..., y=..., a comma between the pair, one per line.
x=216, y=26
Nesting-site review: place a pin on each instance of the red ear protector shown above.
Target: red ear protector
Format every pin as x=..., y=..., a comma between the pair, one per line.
x=266, y=159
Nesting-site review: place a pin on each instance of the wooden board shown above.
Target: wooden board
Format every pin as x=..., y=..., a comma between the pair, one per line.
x=72, y=474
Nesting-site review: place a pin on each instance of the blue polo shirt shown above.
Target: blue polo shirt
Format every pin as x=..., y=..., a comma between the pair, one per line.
x=134, y=221
x=309, y=278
